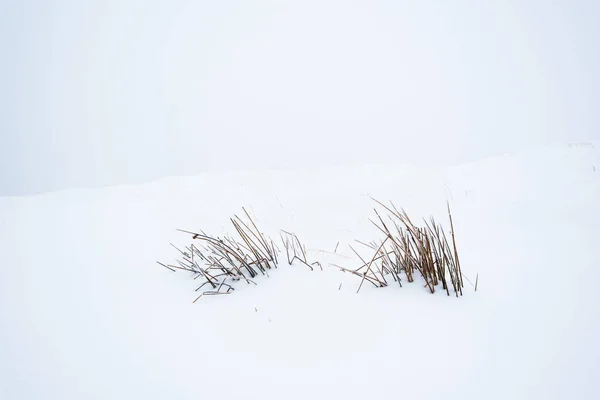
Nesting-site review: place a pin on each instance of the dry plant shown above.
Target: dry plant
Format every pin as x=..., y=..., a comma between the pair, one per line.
x=406, y=251
x=296, y=250
x=409, y=250
x=219, y=262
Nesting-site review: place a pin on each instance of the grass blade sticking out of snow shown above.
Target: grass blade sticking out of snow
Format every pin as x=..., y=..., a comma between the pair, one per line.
x=295, y=250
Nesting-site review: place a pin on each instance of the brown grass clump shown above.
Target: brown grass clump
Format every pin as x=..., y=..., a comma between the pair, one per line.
x=219, y=262
x=409, y=250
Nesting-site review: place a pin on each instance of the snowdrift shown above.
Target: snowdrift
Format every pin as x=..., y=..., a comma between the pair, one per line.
x=86, y=312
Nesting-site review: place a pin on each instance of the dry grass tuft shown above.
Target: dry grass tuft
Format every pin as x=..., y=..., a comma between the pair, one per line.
x=407, y=250
x=219, y=262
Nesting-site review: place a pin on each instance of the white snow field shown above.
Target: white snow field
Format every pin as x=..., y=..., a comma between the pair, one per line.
x=87, y=313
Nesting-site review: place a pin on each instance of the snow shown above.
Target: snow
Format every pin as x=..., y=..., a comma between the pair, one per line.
x=86, y=312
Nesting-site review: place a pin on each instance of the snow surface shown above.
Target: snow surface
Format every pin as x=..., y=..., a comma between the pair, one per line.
x=87, y=313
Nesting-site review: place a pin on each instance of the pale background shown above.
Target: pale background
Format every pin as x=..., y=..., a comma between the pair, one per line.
x=96, y=93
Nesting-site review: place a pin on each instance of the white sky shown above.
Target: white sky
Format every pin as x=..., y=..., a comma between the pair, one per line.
x=99, y=92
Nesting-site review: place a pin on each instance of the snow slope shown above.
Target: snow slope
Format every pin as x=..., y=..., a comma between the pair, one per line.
x=86, y=312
